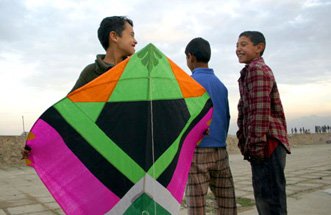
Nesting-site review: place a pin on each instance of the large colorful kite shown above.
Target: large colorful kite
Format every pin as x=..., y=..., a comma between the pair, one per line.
x=123, y=143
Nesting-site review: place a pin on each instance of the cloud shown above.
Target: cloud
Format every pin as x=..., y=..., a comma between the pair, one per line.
x=44, y=44
x=11, y=16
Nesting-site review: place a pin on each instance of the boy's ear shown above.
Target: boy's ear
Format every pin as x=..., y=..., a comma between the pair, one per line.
x=191, y=58
x=113, y=36
x=260, y=47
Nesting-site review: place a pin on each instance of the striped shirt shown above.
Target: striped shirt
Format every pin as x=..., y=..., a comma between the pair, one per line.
x=260, y=111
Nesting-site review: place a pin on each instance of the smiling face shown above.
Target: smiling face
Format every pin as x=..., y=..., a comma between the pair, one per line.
x=246, y=51
x=127, y=41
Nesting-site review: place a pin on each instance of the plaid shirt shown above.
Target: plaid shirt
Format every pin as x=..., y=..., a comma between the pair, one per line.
x=260, y=111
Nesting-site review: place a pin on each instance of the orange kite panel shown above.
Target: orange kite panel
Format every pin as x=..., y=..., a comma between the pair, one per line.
x=188, y=86
x=100, y=89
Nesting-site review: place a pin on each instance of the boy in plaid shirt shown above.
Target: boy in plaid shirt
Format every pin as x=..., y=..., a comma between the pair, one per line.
x=262, y=130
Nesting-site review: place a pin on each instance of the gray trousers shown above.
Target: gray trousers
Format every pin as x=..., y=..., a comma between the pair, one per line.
x=269, y=183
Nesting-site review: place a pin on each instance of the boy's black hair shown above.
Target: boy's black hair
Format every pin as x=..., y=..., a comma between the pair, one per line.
x=200, y=49
x=109, y=24
x=256, y=37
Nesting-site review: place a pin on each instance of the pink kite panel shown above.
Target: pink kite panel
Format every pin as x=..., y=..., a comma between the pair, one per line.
x=178, y=181
x=67, y=178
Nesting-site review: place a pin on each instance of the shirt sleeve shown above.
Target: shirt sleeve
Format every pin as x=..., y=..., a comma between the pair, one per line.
x=260, y=85
x=87, y=75
x=228, y=116
x=81, y=81
x=239, y=134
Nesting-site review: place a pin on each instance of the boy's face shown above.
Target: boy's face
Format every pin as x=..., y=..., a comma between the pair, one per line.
x=127, y=41
x=246, y=51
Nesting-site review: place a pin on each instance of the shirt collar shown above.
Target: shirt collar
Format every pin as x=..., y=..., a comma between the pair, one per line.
x=256, y=60
x=245, y=69
x=203, y=70
x=104, y=66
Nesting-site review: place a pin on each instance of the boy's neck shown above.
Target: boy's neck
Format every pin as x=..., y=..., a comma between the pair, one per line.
x=200, y=65
x=113, y=57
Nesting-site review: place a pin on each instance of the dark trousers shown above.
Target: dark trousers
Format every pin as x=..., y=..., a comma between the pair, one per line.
x=269, y=183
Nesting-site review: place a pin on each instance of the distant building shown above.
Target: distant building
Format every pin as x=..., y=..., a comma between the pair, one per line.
x=24, y=133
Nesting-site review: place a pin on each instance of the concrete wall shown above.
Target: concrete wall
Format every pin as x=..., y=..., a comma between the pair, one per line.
x=10, y=150
x=10, y=146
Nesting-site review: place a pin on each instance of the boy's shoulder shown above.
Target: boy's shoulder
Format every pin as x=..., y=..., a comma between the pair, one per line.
x=258, y=63
x=258, y=67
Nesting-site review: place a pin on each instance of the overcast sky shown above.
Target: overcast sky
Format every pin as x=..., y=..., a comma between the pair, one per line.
x=44, y=45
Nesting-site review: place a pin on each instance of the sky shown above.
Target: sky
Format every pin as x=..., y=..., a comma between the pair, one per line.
x=45, y=44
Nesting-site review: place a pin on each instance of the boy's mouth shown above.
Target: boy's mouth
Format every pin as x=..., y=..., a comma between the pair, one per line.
x=240, y=55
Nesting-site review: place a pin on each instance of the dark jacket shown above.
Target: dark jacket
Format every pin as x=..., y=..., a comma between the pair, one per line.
x=92, y=71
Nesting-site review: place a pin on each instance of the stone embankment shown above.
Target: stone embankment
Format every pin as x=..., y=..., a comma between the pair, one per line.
x=10, y=146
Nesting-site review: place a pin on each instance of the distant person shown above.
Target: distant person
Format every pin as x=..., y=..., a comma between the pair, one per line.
x=262, y=130
x=117, y=37
x=210, y=165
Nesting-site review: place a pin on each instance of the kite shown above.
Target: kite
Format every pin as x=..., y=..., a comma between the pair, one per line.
x=124, y=142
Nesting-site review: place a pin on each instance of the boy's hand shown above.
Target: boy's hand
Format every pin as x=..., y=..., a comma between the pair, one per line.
x=247, y=156
x=257, y=152
x=25, y=151
x=206, y=132
x=256, y=159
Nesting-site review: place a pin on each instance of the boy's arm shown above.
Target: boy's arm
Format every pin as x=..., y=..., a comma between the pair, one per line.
x=260, y=85
x=81, y=81
x=25, y=151
x=88, y=74
x=239, y=134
